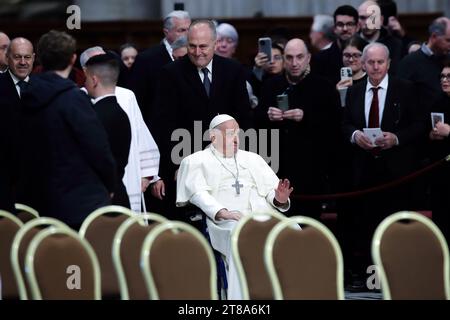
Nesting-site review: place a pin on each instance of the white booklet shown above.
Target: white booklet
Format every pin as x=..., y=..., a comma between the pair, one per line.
x=373, y=134
x=436, y=117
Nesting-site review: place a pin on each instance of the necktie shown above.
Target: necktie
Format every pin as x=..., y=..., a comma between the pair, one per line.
x=22, y=85
x=374, y=118
x=206, y=81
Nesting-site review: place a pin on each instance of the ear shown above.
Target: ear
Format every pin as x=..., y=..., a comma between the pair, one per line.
x=73, y=59
x=166, y=32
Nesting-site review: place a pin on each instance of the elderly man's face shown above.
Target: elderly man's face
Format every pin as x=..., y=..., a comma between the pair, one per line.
x=21, y=58
x=180, y=28
x=376, y=64
x=226, y=138
x=296, y=58
x=226, y=46
x=201, y=45
x=4, y=43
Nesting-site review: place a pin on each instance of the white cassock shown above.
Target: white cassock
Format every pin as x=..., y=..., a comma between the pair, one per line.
x=143, y=159
x=204, y=181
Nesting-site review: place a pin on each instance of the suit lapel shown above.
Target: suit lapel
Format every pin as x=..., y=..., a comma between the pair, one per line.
x=12, y=88
x=193, y=78
x=360, y=111
x=216, y=80
x=389, y=119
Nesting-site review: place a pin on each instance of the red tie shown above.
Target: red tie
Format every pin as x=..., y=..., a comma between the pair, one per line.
x=374, y=118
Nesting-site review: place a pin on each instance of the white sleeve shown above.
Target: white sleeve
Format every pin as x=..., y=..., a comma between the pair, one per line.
x=270, y=198
x=206, y=203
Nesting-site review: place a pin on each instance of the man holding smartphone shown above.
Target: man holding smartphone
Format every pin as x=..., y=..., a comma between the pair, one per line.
x=309, y=123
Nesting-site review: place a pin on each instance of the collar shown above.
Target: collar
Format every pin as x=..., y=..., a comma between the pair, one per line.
x=4, y=71
x=208, y=66
x=15, y=79
x=239, y=154
x=426, y=50
x=328, y=46
x=94, y=101
x=168, y=48
x=383, y=84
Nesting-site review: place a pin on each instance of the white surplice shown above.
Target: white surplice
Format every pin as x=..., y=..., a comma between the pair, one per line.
x=143, y=159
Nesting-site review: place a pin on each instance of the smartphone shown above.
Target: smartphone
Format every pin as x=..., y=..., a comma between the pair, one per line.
x=346, y=73
x=283, y=102
x=265, y=45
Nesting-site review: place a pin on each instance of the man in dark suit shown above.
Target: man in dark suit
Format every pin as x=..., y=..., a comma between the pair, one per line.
x=389, y=104
x=66, y=166
x=195, y=88
x=145, y=72
x=19, y=59
x=102, y=72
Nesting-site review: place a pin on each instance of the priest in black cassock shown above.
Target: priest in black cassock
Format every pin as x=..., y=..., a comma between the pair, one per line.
x=102, y=72
x=308, y=127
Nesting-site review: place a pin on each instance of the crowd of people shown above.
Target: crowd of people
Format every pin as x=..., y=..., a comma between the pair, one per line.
x=74, y=140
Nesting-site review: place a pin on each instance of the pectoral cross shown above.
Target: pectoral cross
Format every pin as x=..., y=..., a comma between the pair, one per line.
x=237, y=186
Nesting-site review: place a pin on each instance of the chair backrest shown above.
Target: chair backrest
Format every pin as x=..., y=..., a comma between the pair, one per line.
x=412, y=258
x=99, y=229
x=9, y=226
x=25, y=213
x=19, y=248
x=61, y=265
x=127, y=254
x=178, y=263
x=304, y=263
x=247, y=245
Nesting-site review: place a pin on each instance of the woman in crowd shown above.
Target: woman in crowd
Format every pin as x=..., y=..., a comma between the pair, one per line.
x=440, y=148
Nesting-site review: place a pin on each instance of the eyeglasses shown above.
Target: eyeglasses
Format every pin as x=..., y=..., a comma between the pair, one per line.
x=277, y=57
x=445, y=76
x=348, y=24
x=355, y=55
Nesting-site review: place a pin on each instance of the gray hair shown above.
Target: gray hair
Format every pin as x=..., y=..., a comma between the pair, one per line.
x=438, y=26
x=210, y=23
x=324, y=23
x=179, y=14
x=179, y=43
x=374, y=45
x=84, y=57
x=227, y=30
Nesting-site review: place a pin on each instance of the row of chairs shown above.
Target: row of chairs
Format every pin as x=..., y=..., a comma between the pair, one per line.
x=116, y=254
x=129, y=256
x=299, y=258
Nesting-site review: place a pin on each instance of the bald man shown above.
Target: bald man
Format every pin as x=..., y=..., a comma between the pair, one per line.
x=372, y=30
x=310, y=123
x=4, y=44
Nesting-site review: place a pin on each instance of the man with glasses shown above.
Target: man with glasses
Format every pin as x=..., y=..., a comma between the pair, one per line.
x=372, y=30
x=328, y=63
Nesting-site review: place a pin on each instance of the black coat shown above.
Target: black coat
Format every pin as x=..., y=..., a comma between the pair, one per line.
x=308, y=145
x=117, y=126
x=402, y=116
x=144, y=77
x=9, y=110
x=66, y=166
x=182, y=100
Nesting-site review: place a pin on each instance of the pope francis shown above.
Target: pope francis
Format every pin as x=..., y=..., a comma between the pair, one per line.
x=227, y=183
